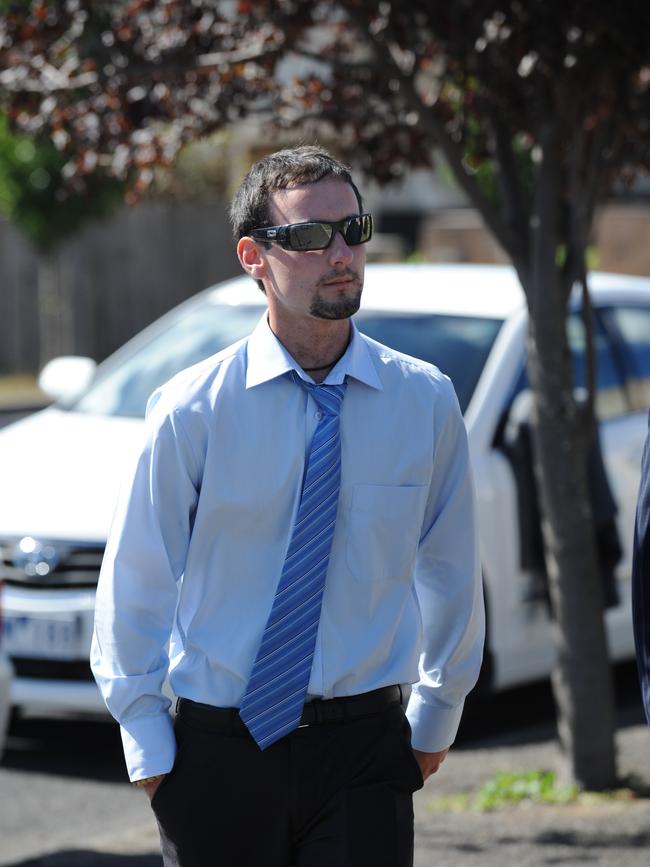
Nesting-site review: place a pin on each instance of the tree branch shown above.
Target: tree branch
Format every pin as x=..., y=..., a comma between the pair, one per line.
x=603, y=140
x=515, y=211
x=544, y=222
x=219, y=58
x=386, y=68
x=330, y=60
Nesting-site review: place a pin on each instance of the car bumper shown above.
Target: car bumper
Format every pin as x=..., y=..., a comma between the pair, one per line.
x=48, y=697
x=47, y=637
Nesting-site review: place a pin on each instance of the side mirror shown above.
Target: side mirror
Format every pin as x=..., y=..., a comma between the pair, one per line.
x=67, y=376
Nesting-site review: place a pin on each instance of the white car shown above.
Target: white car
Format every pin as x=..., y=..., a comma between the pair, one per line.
x=61, y=467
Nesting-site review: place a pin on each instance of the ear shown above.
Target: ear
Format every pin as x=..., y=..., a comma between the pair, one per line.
x=251, y=258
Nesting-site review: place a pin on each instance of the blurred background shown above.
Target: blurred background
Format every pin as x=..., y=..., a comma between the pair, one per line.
x=111, y=278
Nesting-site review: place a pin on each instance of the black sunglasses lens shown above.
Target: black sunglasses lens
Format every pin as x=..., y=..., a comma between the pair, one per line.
x=317, y=236
x=352, y=233
x=310, y=236
x=359, y=230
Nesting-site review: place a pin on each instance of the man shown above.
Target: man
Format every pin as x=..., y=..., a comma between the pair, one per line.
x=641, y=579
x=300, y=528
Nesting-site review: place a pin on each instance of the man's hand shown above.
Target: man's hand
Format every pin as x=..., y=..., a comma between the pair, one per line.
x=150, y=788
x=429, y=762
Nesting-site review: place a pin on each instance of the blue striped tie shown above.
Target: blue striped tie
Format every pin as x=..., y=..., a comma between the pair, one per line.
x=275, y=695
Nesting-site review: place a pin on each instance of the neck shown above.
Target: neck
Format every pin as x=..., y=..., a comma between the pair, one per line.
x=316, y=349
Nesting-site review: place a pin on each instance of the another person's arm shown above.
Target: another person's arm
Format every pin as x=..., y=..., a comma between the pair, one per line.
x=641, y=579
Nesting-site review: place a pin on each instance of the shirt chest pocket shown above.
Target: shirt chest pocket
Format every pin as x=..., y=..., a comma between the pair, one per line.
x=384, y=525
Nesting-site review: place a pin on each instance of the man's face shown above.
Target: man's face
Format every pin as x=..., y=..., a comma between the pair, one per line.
x=315, y=284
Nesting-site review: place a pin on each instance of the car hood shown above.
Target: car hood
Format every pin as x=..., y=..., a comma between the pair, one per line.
x=60, y=473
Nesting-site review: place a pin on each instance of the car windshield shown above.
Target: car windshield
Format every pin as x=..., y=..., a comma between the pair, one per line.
x=458, y=345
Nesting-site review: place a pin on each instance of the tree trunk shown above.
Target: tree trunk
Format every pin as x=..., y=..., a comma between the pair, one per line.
x=582, y=683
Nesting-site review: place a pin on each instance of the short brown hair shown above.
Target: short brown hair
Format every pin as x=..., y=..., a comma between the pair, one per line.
x=286, y=168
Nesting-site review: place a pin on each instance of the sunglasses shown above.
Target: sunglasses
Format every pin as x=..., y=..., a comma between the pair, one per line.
x=317, y=235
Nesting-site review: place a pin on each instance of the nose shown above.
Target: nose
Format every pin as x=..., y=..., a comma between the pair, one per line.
x=338, y=250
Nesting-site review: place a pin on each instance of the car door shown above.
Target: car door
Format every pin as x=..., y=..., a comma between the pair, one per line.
x=623, y=434
x=527, y=650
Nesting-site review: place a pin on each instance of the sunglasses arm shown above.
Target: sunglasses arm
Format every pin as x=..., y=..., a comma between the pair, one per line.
x=276, y=234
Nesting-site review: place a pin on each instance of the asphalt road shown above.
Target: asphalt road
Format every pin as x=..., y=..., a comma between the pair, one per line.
x=65, y=801
x=63, y=789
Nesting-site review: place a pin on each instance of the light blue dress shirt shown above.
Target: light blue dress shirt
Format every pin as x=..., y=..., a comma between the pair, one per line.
x=204, y=520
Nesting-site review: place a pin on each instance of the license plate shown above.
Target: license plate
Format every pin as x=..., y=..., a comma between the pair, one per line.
x=49, y=637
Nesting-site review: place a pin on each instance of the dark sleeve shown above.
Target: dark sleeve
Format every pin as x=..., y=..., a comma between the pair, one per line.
x=641, y=578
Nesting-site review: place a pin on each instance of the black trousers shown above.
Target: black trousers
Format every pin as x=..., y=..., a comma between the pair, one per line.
x=335, y=794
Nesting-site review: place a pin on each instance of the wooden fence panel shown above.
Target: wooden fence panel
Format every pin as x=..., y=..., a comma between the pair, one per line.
x=18, y=320
x=109, y=281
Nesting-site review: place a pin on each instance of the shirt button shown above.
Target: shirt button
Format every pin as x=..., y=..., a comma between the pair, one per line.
x=318, y=415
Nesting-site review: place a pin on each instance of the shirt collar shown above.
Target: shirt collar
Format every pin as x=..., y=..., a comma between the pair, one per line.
x=267, y=359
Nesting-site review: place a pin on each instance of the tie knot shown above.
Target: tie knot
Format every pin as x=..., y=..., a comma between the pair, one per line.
x=328, y=397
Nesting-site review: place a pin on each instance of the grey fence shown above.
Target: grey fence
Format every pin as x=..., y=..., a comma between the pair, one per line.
x=107, y=283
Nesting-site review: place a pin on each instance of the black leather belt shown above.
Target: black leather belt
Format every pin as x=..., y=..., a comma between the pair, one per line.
x=227, y=720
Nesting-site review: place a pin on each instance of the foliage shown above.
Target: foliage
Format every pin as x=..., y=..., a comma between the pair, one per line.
x=201, y=171
x=125, y=84
x=34, y=194
x=536, y=787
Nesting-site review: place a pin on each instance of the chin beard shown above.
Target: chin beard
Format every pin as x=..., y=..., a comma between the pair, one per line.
x=342, y=308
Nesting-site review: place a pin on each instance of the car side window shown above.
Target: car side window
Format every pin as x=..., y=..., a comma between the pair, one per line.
x=631, y=327
x=611, y=398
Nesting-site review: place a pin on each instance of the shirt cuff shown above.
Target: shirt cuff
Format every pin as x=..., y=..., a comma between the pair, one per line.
x=433, y=727
x=149, y=746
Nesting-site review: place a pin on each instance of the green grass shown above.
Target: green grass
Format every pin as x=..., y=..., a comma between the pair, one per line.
x=19, y=389
x=509, y=789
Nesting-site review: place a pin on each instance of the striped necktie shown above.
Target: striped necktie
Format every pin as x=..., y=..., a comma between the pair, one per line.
x=275, y=695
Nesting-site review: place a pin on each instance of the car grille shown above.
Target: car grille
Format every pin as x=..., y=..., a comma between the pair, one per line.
x=47, y=564
x=52, y=669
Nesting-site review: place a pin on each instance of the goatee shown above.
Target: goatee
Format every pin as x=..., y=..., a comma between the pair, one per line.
x=341, y=308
